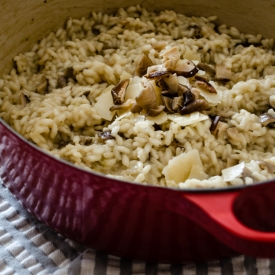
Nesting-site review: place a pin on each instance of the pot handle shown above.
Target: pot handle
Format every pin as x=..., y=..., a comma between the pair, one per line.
x=214, y=212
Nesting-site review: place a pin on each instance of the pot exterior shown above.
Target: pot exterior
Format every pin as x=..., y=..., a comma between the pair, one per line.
x=118, y=218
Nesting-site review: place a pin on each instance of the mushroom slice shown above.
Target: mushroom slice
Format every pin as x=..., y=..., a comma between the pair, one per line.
x=189, y=97
x=223, y=73
x=266, y=119
x=247, y=173
x=182, y=89
x=197, y=105
x=143, y=65
x=203, y=83
x=124, y=106
x=155, y=111
x=185, y=68
x=43, y=87
x=136, y=108
x=177, y=103
x=171, y=58
x=168, y=103
x=85, y=140
x=214, y=123
x=196, y=30
x=62, y=82
x=147, y=98
x=172, y=82
x=157, y=75
x=118, y=92
x=106, y=135
x=220, y=129
x=69, y=73
x=266, y=165
x=207, y=68
x=162, y=84
x=24, y=99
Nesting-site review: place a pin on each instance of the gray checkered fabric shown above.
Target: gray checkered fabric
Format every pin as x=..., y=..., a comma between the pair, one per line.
x=27, y=247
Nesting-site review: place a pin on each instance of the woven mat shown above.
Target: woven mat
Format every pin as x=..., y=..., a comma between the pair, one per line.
x=27, y=246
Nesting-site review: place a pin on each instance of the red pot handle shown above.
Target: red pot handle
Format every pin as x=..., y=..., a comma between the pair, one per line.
x=214, y=212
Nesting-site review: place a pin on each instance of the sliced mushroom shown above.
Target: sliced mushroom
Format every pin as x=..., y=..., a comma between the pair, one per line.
x=201, y=82
x=106, y=135
x=118, y=92
x=171, y=58
x=220, y=129
x=185, y=68
x=207, y=68
x=247, y=173
x=196, y=30
x=63, y=144
x=195, y=106
x=172, y=83
x=223, y=73
x=195, y=92
x=162, y=84
x=43, y=87
x=69, y=73
x=266, y=165
x=24, y=99
x=267, y=119
x=136, y=108
x=189, y=97
x=155, y=111
x=177, y=103
x=157, y=75
x=143, y=65
x=182, y=89
x=84, y=140
x=214, y=123
x=124, y=106
x=147, y=98
x=62, y=82
x=168, y=103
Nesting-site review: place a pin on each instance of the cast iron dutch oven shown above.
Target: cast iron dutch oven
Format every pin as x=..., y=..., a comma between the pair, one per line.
x=118, y=217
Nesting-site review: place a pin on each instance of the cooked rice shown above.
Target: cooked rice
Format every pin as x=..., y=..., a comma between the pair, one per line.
x=105, y=49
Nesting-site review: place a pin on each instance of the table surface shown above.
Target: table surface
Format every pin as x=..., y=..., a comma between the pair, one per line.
x=27, y=246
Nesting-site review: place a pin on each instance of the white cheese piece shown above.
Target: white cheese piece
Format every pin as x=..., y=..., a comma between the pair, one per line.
x=134, y=88
x=180, y=168
x=183, y=81
x=104, y=103
x=233, y=172
x=187, y=119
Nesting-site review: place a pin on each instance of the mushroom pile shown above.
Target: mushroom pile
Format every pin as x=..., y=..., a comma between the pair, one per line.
x=175, y=86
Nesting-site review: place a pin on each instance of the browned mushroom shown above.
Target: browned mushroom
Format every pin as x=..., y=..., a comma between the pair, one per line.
x=266, y=165
x=147, y=98
x=185, y=68
x=84, y=140
x=207, y=68
x=62, y=82
x=43, y=87
x=172, y=83
x=155, y=111
x=24, y=99
x=188, y=98
x=168, y=103
x=106, y=135
x=182, y=89
x=157, y=75
x=69, y=73
x=124, y=106
x=201, y=82
x=267, y=119
x=136, y=108
x=220, y=130
x=247, y=173
x=214, y=123
x=195, y=106
x=223, y=73
x=196, y=30
x=142, y=66
x=64, y=143
x=177, y=103
x=118, y=92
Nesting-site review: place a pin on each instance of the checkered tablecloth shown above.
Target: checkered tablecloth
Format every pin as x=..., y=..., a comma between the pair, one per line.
x=27, y=246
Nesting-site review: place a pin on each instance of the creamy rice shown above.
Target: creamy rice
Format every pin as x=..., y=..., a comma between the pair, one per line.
x=59, y=94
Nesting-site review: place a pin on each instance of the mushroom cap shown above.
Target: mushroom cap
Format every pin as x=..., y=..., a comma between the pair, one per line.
x=143, y=65
x=118, y=92
x=197, y=105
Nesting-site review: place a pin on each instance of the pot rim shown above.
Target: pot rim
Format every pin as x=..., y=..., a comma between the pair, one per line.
x=92, y=172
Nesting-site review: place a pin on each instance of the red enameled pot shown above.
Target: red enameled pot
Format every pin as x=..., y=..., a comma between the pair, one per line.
x=121, y=218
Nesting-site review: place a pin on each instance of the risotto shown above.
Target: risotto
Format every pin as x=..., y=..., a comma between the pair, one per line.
x=150, y=97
